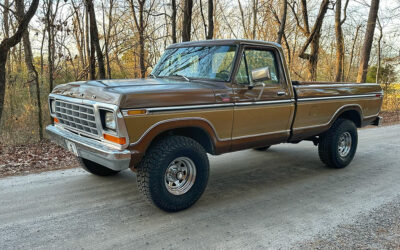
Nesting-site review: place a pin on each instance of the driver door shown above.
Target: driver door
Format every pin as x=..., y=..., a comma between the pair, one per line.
x=263, y=109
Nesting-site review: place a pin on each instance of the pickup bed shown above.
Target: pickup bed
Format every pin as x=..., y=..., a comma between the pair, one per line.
x=204, y=97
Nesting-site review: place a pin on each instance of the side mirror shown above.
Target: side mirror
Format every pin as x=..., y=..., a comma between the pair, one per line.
x=259, y=75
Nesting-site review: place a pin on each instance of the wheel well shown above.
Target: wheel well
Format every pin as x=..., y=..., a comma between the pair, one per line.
x=353, y=116
x=195, y=133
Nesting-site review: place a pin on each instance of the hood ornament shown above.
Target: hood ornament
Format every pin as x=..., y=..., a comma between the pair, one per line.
x=93, y=96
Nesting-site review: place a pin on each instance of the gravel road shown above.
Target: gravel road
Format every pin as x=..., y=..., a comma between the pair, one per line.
x=282, y=198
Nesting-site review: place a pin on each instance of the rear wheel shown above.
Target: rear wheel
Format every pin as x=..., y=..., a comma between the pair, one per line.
x=95, y=168
x=174, y=173
x=338, y=145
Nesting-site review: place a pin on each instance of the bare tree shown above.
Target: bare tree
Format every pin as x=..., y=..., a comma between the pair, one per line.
x=378, y=67
x=368, y=39
x=94, y=38
x=210, y=33
x=187, y=20
x=339, y=75
x=313, y=36
x=10, y=42
x=140, y=26
x=282, y=21
x=33, y=75
x=173, y=20
x=254, y=12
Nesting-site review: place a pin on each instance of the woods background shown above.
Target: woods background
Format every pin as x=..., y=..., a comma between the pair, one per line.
x=45, y=43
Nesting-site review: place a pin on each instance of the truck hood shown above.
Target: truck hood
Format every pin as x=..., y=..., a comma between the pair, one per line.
x=140, y=93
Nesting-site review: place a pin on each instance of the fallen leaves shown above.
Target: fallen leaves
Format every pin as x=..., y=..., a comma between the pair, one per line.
x=33, y=158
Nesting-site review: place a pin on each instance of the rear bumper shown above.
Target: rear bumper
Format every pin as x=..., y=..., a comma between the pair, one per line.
x=91, y=149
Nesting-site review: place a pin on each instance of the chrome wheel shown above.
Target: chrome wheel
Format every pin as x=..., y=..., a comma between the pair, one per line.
x=180, y=175
x=344, y=145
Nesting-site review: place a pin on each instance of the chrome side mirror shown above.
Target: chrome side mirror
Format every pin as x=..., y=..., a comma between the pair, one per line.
x=259, y=75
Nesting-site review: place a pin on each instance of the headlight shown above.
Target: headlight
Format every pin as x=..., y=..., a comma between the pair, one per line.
x=109, y=119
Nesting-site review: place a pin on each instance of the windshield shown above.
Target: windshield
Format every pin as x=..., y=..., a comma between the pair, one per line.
x=213, y=63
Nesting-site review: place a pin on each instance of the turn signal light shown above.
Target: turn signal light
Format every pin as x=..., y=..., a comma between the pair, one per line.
x=136, y=112
x=56, y=120
x=118, y=140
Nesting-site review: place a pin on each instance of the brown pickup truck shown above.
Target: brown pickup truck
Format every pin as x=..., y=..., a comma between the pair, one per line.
x=205, y=97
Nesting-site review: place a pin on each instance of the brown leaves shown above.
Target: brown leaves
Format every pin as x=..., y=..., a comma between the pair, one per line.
x=33, y=158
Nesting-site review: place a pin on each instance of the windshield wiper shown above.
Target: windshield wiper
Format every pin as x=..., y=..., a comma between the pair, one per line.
x=185, y=77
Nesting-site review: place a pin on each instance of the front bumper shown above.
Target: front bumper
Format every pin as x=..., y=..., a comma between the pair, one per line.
x=91, y=149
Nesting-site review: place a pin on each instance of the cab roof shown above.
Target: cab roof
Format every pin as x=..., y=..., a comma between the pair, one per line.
x=222, y=42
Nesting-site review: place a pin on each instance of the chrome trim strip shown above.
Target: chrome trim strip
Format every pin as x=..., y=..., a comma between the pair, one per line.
x=325, y=124
x=175, y=108
x=260, y=134
x=206, y=106
x=263, y=102
x=178, y=119
x=337, y=97
x=335, y=85
x=370, y=116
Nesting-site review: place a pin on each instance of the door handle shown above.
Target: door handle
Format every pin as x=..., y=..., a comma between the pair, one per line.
x=281, y=93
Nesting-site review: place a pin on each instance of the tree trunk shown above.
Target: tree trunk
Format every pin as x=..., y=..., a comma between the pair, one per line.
x=7, y=31
x=255, y=10
x=243, y=19
x=173, y=20
x=187, y=20
x=50, y=45
x=352, y=52
x=210, y=33
x=339, y=76
x=94, y=37
x=33, y=76
x=141, y=29
x=313, y=39
x=141, y=41
x=10, y=42
x=89, y=48
x=368, y=39
x=378, y=67
x=282, y=21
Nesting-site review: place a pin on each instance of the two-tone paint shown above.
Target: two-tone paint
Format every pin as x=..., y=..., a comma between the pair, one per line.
x=227, y=116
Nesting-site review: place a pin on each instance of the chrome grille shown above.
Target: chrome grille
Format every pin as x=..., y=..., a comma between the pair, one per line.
x=77, y=117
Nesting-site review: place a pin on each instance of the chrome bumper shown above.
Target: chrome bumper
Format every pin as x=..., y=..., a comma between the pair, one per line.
x=91, y=149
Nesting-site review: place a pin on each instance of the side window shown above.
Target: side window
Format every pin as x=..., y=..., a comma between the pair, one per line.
x=256, y=59
x=242, y=77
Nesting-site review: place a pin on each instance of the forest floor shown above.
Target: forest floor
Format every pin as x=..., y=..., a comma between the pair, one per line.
x=34, y=158
x=46, y=156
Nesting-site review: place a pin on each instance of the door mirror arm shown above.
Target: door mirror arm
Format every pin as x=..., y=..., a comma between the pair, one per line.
x=261, y=92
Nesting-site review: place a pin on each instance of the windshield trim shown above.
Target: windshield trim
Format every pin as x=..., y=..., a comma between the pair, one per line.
x=199, y=78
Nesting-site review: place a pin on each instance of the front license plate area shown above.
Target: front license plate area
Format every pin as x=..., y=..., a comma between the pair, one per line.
x=71, y=147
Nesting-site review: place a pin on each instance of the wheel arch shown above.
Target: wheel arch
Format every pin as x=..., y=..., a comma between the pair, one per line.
x=198, y=129
x=350, y=112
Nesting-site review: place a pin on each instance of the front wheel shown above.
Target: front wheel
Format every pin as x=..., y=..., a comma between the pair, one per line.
x=338, y=145
x=174, y=173
x=95, y=168
x=262, y=148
